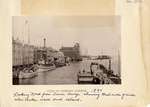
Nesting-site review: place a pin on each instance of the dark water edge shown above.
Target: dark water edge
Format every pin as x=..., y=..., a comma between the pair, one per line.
x=15, y=81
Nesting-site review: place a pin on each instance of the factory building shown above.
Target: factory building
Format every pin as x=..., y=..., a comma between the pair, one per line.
x=72, y=52
x=17, y=48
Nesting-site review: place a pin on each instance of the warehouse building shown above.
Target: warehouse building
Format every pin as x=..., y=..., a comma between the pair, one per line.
x=72, y=52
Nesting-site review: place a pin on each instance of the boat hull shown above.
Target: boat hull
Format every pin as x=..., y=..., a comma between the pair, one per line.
x=46, y=68
x=23, y=75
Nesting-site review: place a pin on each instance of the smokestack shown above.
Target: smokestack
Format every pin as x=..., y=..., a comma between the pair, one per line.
x=44, y=43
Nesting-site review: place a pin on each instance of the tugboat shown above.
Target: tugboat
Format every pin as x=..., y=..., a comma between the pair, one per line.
x=98, y=73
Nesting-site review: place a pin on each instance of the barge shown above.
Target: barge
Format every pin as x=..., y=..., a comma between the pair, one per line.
x=98, y=74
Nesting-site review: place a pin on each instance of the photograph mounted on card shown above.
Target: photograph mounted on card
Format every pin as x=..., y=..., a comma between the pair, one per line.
x=66, y=50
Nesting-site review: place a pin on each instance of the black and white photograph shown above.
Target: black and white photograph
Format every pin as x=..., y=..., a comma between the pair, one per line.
x=63, y=50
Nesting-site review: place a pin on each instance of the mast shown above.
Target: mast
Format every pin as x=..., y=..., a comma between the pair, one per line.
x=119, y=64
x=28, y=30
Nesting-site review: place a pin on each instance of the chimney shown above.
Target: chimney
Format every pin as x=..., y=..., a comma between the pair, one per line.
x=44, y=43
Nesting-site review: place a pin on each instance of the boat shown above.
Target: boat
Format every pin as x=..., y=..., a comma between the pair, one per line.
x=60, y=64
x=85, y=78
x=46, y=67
x=27, y=74
x=105, y=77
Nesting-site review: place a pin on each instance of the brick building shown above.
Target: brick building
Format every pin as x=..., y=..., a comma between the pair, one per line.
x=72, y=52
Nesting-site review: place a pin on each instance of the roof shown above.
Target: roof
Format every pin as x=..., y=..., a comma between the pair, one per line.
x=67, y=48
x=104, y=57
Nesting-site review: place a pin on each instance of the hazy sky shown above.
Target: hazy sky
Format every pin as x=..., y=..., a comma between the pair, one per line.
x=96, y=34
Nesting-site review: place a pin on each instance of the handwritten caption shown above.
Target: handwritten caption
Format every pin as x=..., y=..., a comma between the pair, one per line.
x=68, y=95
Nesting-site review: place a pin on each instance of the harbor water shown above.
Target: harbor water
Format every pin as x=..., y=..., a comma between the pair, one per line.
x=65, y=74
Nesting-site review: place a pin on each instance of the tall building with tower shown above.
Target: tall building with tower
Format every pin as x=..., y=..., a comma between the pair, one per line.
x=72, y=52
x=44, y=43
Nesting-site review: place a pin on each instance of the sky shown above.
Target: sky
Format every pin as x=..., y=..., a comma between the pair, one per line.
x=95, y=34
